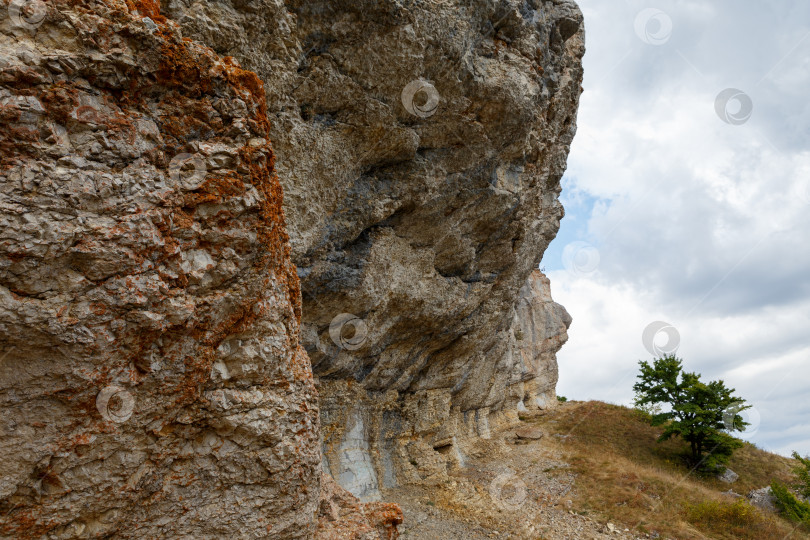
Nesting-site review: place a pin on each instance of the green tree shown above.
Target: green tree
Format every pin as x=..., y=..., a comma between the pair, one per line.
x=802, y=471
x=699, y=413
x=647, y=409
x=791, y=506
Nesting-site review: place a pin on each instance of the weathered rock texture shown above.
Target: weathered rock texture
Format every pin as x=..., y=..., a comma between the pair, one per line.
x=539, y=330
x=378, y=440
x=152, y=379
x=423, y=225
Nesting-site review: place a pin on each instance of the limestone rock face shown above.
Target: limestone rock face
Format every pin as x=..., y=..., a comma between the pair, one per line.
x=420, y=146
x=424, y=223
x=155, y=379
x=539, y=330
x=763, y=498
x=152, y=379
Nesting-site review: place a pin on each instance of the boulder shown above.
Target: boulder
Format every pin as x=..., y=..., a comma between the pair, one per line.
x=530, y=433
x=763, y=498
x=728, y=476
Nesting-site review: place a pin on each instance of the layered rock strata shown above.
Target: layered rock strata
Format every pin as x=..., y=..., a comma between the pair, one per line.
x=375, y=441
x=152, y=379
x=539, y=330
x=420, y=146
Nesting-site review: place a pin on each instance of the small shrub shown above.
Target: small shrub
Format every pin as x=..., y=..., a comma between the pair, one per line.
x=736, y=514
x=802, y=472
x=789, y=504
x=562, y=399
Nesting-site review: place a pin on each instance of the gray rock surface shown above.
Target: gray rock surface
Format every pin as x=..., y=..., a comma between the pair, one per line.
x=417, y=214
x=763, y=498
x=538, y=331
x=154, y=381
x=728, y=476
x=152, y=378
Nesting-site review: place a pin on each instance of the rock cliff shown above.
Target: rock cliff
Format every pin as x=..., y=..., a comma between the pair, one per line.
x=156, y=337
x=420, y=146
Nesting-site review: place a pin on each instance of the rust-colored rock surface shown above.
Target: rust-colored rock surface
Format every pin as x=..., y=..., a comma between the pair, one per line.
x=342, y=517
x=152, y=380
x=154, y=374
x=421, y=146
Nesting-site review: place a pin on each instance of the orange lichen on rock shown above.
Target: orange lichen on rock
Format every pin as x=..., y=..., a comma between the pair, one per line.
x=343, y=517
x=178, y=295
x=147, y=8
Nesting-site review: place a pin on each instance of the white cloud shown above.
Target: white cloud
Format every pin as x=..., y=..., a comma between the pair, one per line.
x=764, y=356
x=698, y=222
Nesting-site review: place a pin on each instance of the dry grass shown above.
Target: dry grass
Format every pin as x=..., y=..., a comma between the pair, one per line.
x=625, y=476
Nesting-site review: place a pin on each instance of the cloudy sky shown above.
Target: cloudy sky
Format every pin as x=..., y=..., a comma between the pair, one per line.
x=687, y=201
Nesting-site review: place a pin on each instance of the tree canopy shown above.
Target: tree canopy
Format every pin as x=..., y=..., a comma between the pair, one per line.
x=702, y=414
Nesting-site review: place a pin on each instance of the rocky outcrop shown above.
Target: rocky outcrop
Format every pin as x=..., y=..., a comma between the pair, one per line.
x=378, y=440
x=152, y=379
x=420, y=146
x=539, y=330
x=763, y=498
x=155, y=380
x=341, y=517
x=728, y=476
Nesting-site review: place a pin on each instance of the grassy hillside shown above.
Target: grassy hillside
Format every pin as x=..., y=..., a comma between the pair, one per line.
x=628, y=478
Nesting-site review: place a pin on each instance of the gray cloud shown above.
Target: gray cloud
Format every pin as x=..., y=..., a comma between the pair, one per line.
x=697, y=221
